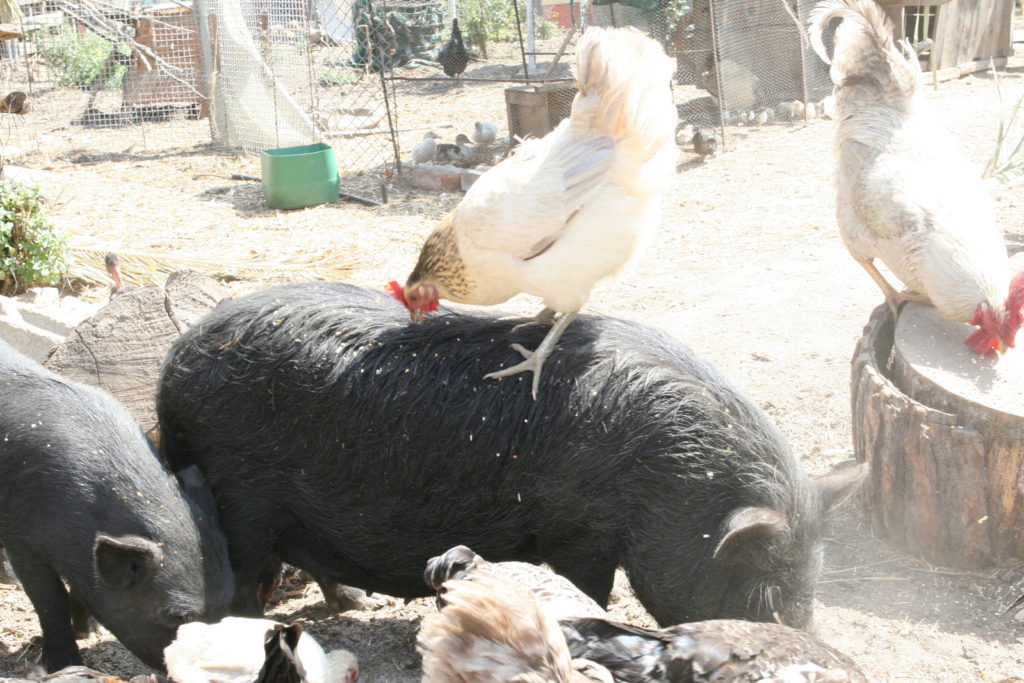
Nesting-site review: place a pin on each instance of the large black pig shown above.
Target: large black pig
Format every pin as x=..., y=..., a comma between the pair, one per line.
x=84, y=498
x=341, y=439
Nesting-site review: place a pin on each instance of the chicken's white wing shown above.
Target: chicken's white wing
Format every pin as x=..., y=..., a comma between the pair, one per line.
x=522, y=205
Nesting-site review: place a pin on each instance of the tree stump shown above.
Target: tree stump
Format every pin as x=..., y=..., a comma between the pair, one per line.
x=121, y=347
x=943, y=431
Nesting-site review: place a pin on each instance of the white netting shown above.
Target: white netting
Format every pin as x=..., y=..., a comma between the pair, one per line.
x=258, y=55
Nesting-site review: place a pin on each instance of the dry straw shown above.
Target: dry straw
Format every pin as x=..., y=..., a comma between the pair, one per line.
x=143, y=267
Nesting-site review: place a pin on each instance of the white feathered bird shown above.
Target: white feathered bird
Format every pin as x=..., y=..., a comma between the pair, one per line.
x=484, y=133
x=236, y=650
x=905, y=194
x=424, y=151
x=569, y=209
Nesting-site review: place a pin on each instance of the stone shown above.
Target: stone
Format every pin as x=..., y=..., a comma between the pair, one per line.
x=469, y=177
x=39, y=296
x=61, y=316
x=437, y=178
x=34, y=342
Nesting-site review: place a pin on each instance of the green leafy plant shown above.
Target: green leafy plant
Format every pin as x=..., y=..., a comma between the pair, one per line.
x=1007, y=162
x=487, y=20
x=336, y=77
x=79, y=60
x=32, y=250
x=546, y=28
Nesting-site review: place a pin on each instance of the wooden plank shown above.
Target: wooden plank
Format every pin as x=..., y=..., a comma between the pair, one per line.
x=965, y=69
x=970, y=30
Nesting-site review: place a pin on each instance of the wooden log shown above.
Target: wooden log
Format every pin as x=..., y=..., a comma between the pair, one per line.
x=120, y=348
x=943, y=431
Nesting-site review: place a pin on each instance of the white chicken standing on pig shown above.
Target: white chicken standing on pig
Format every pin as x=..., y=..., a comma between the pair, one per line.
x=566, y=210
x=905, y=194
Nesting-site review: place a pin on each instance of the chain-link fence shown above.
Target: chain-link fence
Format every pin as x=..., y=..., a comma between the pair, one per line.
x=248, y=74
x=261, y=74
x=94, y=64
x=739, y=62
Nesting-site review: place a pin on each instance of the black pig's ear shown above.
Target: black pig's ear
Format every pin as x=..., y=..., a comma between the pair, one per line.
x=125, y=561
x=840, y=484
x=747, y=524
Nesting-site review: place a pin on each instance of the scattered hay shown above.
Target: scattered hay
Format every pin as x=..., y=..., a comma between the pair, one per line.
x=143, y=267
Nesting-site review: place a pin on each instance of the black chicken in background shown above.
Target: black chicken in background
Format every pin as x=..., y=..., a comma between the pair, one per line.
x=453, y=56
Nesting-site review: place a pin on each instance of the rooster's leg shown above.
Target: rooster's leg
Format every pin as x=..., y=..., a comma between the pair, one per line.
x=892, y=297
x=535, y=359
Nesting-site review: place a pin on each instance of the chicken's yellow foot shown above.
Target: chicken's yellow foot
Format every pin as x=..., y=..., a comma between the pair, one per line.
x=535, y=359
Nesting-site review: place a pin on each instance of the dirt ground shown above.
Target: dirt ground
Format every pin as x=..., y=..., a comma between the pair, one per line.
x=748, y=269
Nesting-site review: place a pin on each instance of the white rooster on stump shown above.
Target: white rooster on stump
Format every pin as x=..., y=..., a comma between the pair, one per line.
x=905, y=195
x=569, y=209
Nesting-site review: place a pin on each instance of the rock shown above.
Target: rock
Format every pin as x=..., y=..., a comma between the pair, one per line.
x=39, y=296
x=61, y=316
x=34, y=342
x=469, y=177
x=441, y=177
x=120, y=348
x=9, y=307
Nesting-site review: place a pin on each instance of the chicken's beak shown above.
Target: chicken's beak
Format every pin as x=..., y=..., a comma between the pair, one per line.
x=416, y=315
x=1001, y=345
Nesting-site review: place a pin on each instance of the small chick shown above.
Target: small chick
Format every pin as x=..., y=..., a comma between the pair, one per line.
x=705, y=142
x=484, y=133
x=423, y=153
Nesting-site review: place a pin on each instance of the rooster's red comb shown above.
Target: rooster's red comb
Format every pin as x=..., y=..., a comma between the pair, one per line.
x=1015, y=300
x=398, y=292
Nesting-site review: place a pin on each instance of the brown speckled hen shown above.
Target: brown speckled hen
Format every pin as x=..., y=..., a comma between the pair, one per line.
x=557, y=595
x=494, y=631
x=698, y=652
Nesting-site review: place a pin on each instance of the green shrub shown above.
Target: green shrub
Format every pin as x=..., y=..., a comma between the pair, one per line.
x=78, y=60
x=336, y=77
x=487, y=20
x=32, y=250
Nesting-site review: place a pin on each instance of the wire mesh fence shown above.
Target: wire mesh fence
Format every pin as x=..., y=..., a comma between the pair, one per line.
x=262, y=74
x=104, y=65
x=247, y=75
x=739, y=62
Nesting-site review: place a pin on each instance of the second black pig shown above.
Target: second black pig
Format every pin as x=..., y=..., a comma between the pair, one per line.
x=84, y=499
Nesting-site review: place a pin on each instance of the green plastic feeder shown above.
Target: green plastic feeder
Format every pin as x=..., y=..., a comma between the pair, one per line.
x=294, y=177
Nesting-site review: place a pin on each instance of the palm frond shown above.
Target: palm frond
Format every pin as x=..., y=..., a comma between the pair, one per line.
x=144, y=267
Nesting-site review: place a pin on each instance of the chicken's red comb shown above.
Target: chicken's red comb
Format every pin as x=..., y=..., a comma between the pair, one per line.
x=398, y=292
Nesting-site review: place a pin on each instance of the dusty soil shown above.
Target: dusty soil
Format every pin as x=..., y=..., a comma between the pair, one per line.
x=748, y=269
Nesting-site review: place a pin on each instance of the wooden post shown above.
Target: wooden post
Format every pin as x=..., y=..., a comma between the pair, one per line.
x=944, y=437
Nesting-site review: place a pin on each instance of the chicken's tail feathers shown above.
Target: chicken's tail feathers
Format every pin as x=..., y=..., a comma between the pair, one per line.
x=624, y=80
x=865, y=53
x=491, y=630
